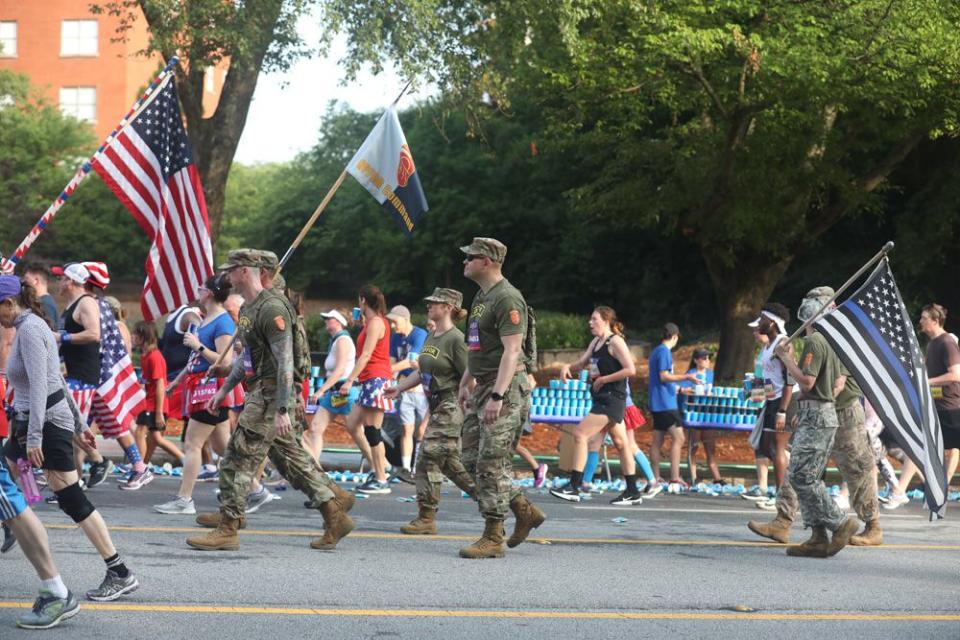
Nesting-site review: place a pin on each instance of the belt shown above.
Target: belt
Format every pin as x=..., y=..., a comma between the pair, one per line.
x=492, y=377
x=52, y=401
x=812, y=402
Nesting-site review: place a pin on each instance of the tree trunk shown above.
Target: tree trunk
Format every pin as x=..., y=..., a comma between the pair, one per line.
x=741, y=290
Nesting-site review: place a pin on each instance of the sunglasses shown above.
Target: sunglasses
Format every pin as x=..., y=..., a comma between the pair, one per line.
x=471, y=258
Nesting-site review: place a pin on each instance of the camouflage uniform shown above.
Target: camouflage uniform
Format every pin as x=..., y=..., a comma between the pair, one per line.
x=265, y=320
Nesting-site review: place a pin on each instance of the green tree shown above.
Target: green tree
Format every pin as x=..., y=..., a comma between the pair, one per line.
x=750, y=127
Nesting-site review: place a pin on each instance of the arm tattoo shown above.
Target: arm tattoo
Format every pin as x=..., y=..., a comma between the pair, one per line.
x=237, y=373
x=282, y=350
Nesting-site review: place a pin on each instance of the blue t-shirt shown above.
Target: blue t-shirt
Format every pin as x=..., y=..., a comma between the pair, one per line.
x=401, y=346
x=687, y=384
x=51, y=308
x=222, y=325
x=663, y=395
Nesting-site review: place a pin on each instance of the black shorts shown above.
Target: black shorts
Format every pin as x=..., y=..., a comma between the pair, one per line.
x=950, y=427
x=610, y=404
x=148, y=419
x=57, y=446
x=212, y=419
x=768, y=437
x=663, y=420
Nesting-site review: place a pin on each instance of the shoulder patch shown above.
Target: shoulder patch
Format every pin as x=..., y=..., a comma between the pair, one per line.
x=808, y=360
x=280, y=322
x=514, y=316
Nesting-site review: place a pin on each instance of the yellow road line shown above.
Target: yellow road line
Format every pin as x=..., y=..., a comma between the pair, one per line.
x=399, y=536
x=448, y=613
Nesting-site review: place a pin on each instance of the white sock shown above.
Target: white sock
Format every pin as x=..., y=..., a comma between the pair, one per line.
x=55, y=586
x=406, y=462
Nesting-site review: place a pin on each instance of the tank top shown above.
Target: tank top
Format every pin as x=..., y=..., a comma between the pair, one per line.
x=174, y=352
x=602, y=363
x=82, y=361
x=379, y=364
x=331, y=362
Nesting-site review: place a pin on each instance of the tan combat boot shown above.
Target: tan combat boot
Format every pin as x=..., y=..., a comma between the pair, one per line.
x=345, y=498
x=815, y=547
x=528, y=517
x=336, y=525
x=424, y=524
x=871, y=536
x=842, y=536
x=223, y=538
x=212, y=520
x=490, y=544
x=777, y=529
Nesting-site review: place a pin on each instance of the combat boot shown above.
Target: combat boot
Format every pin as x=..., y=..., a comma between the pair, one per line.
x=528, y=517
x=871, y=536
x=345, y=498
x=212, y=520
x=815, y=547
x=777, y=529
x=424, y=524
x=842, y=536
x=490, y=544
x=336, y=525
x=223, y=538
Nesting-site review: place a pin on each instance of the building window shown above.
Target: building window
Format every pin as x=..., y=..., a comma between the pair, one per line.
x=78, y=38
x=8, y=39
x=79, y=102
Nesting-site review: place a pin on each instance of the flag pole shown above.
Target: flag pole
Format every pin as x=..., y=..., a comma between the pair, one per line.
x=8, y=264
x=887, y=248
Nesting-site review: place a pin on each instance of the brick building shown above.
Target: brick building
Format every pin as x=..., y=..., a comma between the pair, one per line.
x=68, y=54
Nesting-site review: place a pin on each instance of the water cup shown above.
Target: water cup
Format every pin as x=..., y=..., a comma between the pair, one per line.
x=555, y=383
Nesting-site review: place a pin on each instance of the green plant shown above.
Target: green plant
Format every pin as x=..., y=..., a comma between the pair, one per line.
x=561, y=330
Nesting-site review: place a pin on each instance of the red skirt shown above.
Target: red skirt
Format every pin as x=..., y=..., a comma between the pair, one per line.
x=197, y=392
x=633, y=418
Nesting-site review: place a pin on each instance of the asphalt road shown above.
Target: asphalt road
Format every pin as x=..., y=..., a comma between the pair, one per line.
x=680, y=566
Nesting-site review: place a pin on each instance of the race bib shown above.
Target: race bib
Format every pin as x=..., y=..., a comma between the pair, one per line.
x=247, y=362
x=200, y=395
x=473, y=336
x=425, y=379
x=594, y=369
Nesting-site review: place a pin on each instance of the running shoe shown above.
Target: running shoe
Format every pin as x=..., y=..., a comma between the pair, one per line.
x=209, y=473
x=51, y=499
x=627, y=499
x=843, y=502
x=113, y=586
x=49, y=611
x=137, y=481
x=567, y=492
x=770, y=504
x=540, y=476
x=8, y=539
x=652, y=490
x=178, y=506
x=404, y=475
x=371, y=486
x=895, y=501
x=99, y=472
x=754, y=494
x=256, y=499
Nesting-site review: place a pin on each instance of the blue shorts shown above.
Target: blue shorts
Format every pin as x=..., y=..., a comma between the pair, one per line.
x=12, y=502
x=338, y=404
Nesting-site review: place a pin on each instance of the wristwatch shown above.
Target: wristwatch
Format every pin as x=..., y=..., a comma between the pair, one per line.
x=496, y=396
x=282, y=411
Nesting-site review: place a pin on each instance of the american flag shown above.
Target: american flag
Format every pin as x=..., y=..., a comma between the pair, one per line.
x=149, y=166
x=119, y=398
x=873, y=336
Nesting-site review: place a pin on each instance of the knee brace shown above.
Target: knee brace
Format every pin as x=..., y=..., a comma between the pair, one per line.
x=373, y=435
x=73, y=502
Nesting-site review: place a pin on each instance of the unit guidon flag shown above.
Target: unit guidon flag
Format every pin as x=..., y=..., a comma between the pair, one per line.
x=384, y=166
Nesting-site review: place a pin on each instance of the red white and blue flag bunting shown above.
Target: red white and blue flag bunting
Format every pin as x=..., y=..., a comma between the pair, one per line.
x=384, y=166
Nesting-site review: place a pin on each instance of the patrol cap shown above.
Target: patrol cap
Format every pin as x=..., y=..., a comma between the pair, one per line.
x=488, y=248
x=279, y=283
x=241, y=258
x=268, y=259
x=451, y=297
x=813, y=302
x=398, y=312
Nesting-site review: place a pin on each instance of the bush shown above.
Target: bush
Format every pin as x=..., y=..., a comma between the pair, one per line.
x=561, y=330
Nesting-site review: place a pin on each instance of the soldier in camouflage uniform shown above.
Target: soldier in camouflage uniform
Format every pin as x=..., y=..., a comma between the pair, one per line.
x=495, y=405
x=853, y=455
x=265, y=427
x=443, y=360
x=820, y=375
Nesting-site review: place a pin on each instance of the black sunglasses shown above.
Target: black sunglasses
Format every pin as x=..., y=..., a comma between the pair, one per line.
x=471, y=258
